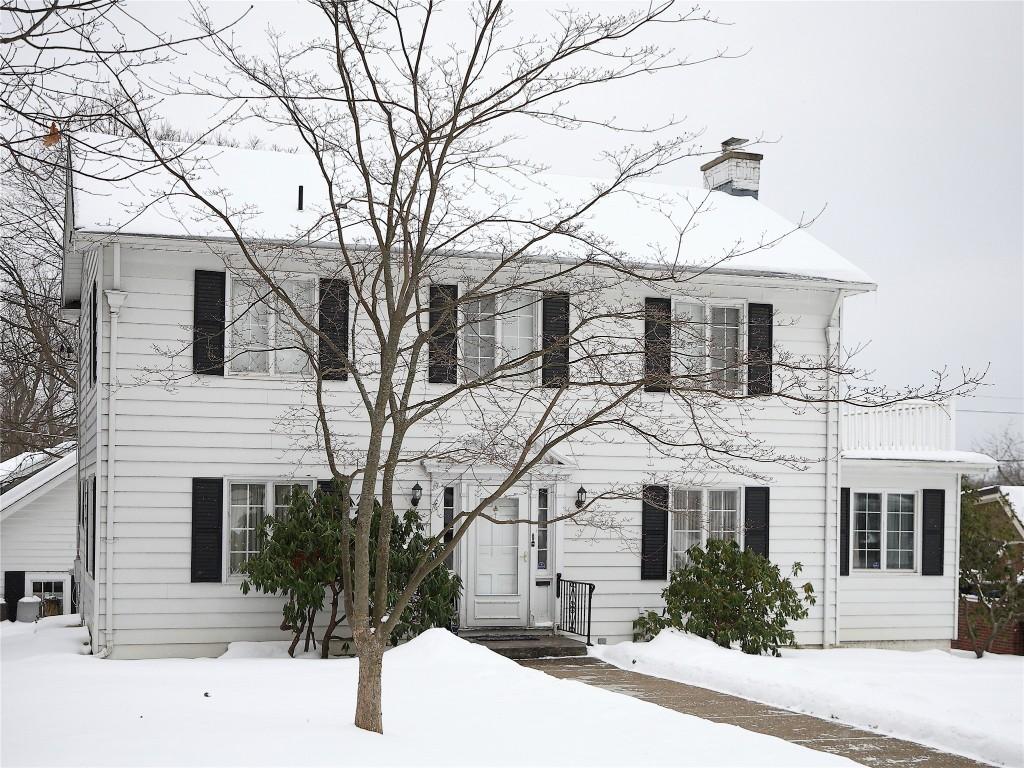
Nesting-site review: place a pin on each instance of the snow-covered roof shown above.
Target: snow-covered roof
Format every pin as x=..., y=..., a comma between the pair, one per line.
x=652, y=224
x=1015, y=495
x=52, y=473
x=25, y=463
x=967, y=461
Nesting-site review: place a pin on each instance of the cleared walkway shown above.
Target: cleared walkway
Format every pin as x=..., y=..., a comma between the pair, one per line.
x=864, y=747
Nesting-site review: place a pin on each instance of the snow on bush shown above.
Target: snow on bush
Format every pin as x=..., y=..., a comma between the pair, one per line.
x=950, y=701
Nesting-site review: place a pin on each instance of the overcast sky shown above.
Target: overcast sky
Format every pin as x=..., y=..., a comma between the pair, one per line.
x=905, y=120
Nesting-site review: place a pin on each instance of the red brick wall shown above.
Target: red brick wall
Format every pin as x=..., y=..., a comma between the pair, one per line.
x=1009, y=640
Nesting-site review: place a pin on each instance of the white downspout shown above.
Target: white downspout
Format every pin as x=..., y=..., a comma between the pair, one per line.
x=115, y=300
x=832, y=335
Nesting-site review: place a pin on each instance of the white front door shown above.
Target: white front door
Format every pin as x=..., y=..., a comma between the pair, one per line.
x=499, y=568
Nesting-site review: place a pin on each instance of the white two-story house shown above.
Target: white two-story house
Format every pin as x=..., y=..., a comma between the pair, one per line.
x=181, y=450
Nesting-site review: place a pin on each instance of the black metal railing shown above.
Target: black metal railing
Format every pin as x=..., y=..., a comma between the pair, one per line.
x=574, y=603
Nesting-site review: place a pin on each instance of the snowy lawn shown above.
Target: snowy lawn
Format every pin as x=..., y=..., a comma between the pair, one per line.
x=949, y=700
x=446, y=702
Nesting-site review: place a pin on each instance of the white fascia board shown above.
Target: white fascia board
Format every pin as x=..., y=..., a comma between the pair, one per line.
x=736, y=276
x=963, y=466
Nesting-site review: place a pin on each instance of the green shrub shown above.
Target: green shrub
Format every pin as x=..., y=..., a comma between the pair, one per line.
x=730, y=596
x=301, y=560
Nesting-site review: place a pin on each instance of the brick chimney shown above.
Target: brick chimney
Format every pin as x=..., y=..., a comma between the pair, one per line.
x=734, y=171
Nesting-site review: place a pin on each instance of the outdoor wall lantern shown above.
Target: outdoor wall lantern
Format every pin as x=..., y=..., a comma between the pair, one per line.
x=581, y=497
x=417, y=494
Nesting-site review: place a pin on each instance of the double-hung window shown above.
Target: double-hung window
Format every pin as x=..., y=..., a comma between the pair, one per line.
x=267, y=336
x=249, y=504
x=499, y=330
x=707, y=341
x=884, y=525
x=701, y=514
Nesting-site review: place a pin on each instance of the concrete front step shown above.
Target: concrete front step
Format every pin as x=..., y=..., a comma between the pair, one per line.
x=526, y=644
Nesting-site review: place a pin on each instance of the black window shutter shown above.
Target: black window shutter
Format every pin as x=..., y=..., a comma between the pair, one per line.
x=324, y=486
x=207, y=528
x=93, y=505
x=442, y=347
x=657, y=344
x=94, y=311
x=759, y=349
x=755, y=520
x=844, y=532
x=654, y=533
x=14, y=590
x=933, y=530
x=208, y=323
x=334, y=326
x=555, y=332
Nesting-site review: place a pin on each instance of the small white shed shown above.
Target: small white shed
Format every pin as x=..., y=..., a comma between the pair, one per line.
x=38, y=538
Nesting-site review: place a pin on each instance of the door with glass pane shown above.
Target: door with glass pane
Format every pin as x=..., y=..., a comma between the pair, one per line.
x=499, y=568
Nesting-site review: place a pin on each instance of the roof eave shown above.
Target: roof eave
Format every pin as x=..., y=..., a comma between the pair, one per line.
x=961, y=466
x=805, y=281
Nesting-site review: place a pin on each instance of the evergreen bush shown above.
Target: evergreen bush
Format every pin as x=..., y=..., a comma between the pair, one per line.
x=301, y=559
x=730, y=596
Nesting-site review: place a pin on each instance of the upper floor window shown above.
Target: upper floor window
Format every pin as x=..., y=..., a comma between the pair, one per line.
x=884, y=541
x=701, y=514
x=249, y=504
x=267, y=336
x=708, y=342
x=498, y=330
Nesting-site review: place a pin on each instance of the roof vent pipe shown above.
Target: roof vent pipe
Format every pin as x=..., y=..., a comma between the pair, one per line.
x=735, y=171
x=300, y=197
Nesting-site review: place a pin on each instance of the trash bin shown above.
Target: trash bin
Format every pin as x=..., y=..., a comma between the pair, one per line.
x=28, y=608
x=3, y=609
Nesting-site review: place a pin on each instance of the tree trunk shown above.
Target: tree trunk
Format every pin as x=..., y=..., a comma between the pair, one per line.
x=370, y=652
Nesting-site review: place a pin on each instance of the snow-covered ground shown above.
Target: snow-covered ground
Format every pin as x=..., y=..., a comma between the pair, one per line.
x=949, y=700
x=446, y=702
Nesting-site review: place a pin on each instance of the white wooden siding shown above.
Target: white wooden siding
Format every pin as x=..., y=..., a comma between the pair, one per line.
x=89, y=435
x=38, y=533
x=898, y=606
x=174, y=428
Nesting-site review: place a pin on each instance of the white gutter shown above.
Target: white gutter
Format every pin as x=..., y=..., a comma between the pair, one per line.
x=956, y=555
x=832, y=466
x=97, y=436
x=115, y=300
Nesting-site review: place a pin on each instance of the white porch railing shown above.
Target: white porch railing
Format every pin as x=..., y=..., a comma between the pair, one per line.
x=915, y=425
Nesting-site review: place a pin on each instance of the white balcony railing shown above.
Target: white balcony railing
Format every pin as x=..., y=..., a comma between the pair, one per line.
x=915, y=425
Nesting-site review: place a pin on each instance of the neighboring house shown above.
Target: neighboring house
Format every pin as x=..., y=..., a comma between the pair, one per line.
x=38, y=532
x=175, y=470
x=1005, y=504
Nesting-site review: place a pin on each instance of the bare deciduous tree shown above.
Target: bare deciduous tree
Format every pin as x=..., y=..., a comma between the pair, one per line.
x=37, y=347
x=1007, y=448
x=445, y=243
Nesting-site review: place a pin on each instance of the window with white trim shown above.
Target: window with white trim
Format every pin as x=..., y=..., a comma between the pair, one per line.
x=892, y=534
x=249, y=504
x=51, y=595
x=265, y=334
x=499, y=329
x=699, y=514
x=708, y=339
